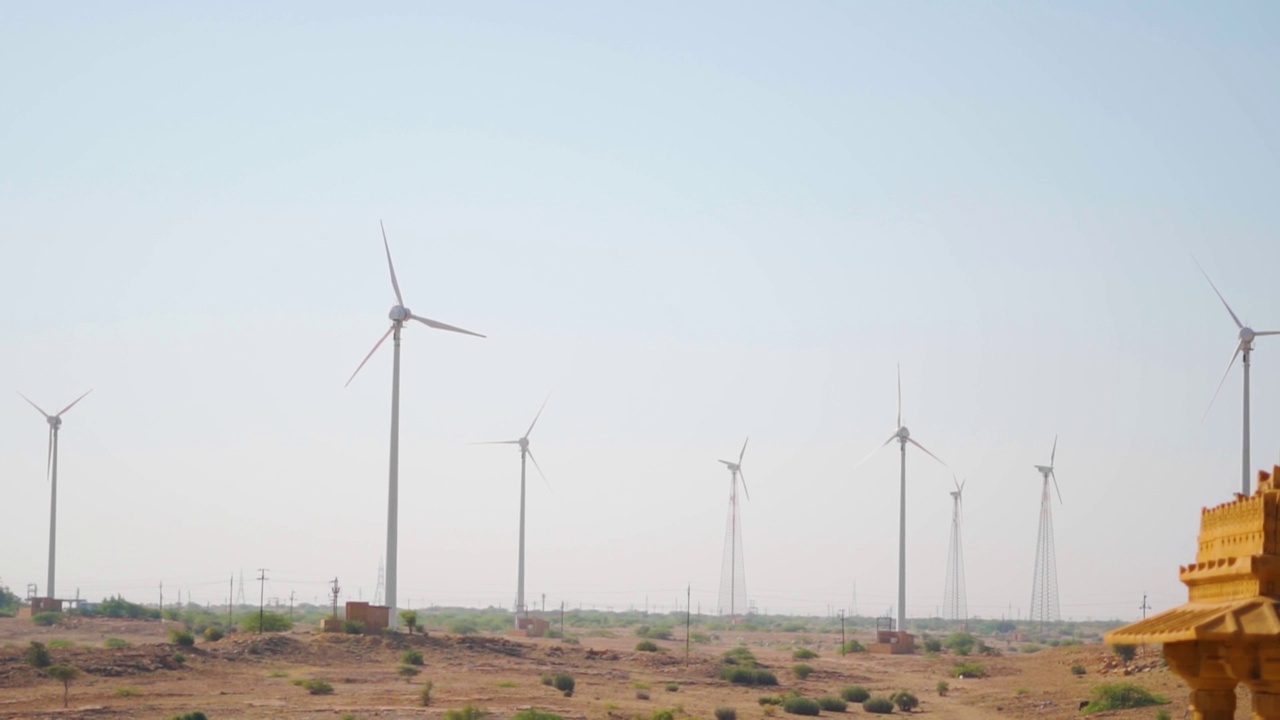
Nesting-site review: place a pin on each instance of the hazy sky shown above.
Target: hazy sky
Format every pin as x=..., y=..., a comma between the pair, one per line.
x=693, y=223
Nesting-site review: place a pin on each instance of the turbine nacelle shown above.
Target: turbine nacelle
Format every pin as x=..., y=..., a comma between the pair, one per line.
x=1044, y=470
x=399, y=313
x=54, y=421
x=903, y=433
x=523, y=443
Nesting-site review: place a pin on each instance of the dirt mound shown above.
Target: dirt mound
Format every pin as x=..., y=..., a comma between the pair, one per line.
x=100, y=662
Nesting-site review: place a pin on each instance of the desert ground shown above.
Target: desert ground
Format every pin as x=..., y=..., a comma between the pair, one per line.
x=254, y=675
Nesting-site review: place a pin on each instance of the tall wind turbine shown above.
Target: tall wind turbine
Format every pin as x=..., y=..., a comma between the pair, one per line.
x=525, y=452
x=1044, y=588
x=51, y=469
x=1245, y=347
x=733, y=581
x=954, y=602
x=399, y=315
x=903, y=436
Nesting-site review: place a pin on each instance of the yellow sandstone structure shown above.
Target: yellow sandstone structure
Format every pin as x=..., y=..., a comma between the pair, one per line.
x=1229, y=631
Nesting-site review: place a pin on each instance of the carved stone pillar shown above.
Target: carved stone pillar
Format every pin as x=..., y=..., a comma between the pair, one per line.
x=1206, y=672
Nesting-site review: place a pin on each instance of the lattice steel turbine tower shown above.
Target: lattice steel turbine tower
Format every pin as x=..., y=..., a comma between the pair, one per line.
x=954, y=601
x=1044, y=589
x=733, y=580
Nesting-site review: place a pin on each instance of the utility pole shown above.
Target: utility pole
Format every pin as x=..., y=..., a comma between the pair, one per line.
x=544, y=603
x=687, y=621
x=290, y=606
x=231, y=591
x=335, y=598
x=842, y=633
x=162, y=601
x=1144, y=607
x=561, y=621
x=262, y=596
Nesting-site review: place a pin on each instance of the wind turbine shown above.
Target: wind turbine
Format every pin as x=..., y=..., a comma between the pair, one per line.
x=903, y=436
x=733, y=581
x=1044, y=587
x=525, y=452
x=51, y=470
x=1245, y=347
x=954, y=602
x=399, y=315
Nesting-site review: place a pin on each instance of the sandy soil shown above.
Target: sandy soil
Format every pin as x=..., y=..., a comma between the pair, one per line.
x=251, y=676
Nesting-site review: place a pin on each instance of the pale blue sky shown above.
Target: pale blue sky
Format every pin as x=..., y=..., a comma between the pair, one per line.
x=694, y=223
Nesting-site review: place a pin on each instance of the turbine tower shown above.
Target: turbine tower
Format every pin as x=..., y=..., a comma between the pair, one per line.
x=1044, y=589
x=51, y=471
x=954, y=602
x=399, y=315
x=525, y=452
x=733, y=581
x=1243, y=347
x=903, y=436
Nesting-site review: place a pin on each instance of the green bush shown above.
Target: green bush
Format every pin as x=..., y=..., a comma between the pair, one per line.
x=463, y=627
x=740, y=656
x=179, y=658
x=266, y=622
x=853, y=646
x=960, y=643
x=700, y=638
x=536, y=714
x=353, y=627
x=800, y=706
x=905, y=701
x=663, y=715
x=124, y=692
x=802, y=671
x=182, y=637
x=1030, y=648
x=943, y=688
x=855, y=694
x=1163, y=714
x=968, y=670
x=803, y=654
x=424, y=695
x=672, y=687
x=116, y=644
x=37, y=655
x=660, y=632
x=549, y=680
x=646, y=646
x=769, y=700
x=469, y=712
x=878, y=705
x=1078, y=669
x=1121, y=696
x=213, y=633
x=316, y=686
x=1125, y=652
x=726, y=713
x=47, y=619
x=747, y=676
x=564, y=683
x=61, y=644
x=933, y=645
x=410, y=619
x=411, y=657
x=197, y=715
x=831, y=703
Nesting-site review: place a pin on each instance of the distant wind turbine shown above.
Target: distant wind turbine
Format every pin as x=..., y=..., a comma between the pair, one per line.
x=1044, y=587
x=954, y=602
x=1245, y=347
x=525, y=452
x=51, y=470
x=903, y=436
x=399, y=315
x=733, y=582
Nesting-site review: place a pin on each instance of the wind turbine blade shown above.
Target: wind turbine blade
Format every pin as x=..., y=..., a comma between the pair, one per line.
x=535, y=417
x=371, y=352
x=37, y=407
x=1053, y=453
x=872, y=453
x=1220, y=383
x=1266, y=332
x=498, y=442
x=390, y=265
x=48, y=464
x=1054, y=475
x=744, y=450
x=728, y=463
x=743, y=478
x=1215, y=290
x=899, y=396
x=539, y=469
x=442, y=326
x=926, y=451
x=955, y=482
x=73, y=404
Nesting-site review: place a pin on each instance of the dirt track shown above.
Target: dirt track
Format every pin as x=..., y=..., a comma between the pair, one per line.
x=251, y=676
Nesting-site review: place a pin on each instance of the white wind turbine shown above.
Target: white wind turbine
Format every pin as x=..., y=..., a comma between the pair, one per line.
x=1044, y=586
x=954, y=602
x=733, y=582
x=903, y=436
x=399, y=315
x=1245, y=347
x=525, y=452
x=51, y=469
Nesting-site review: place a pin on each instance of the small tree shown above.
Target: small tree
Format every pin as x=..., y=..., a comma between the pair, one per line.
x=64, y=674
x=37, y=656
x=1125, y=652
x=410, y=619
